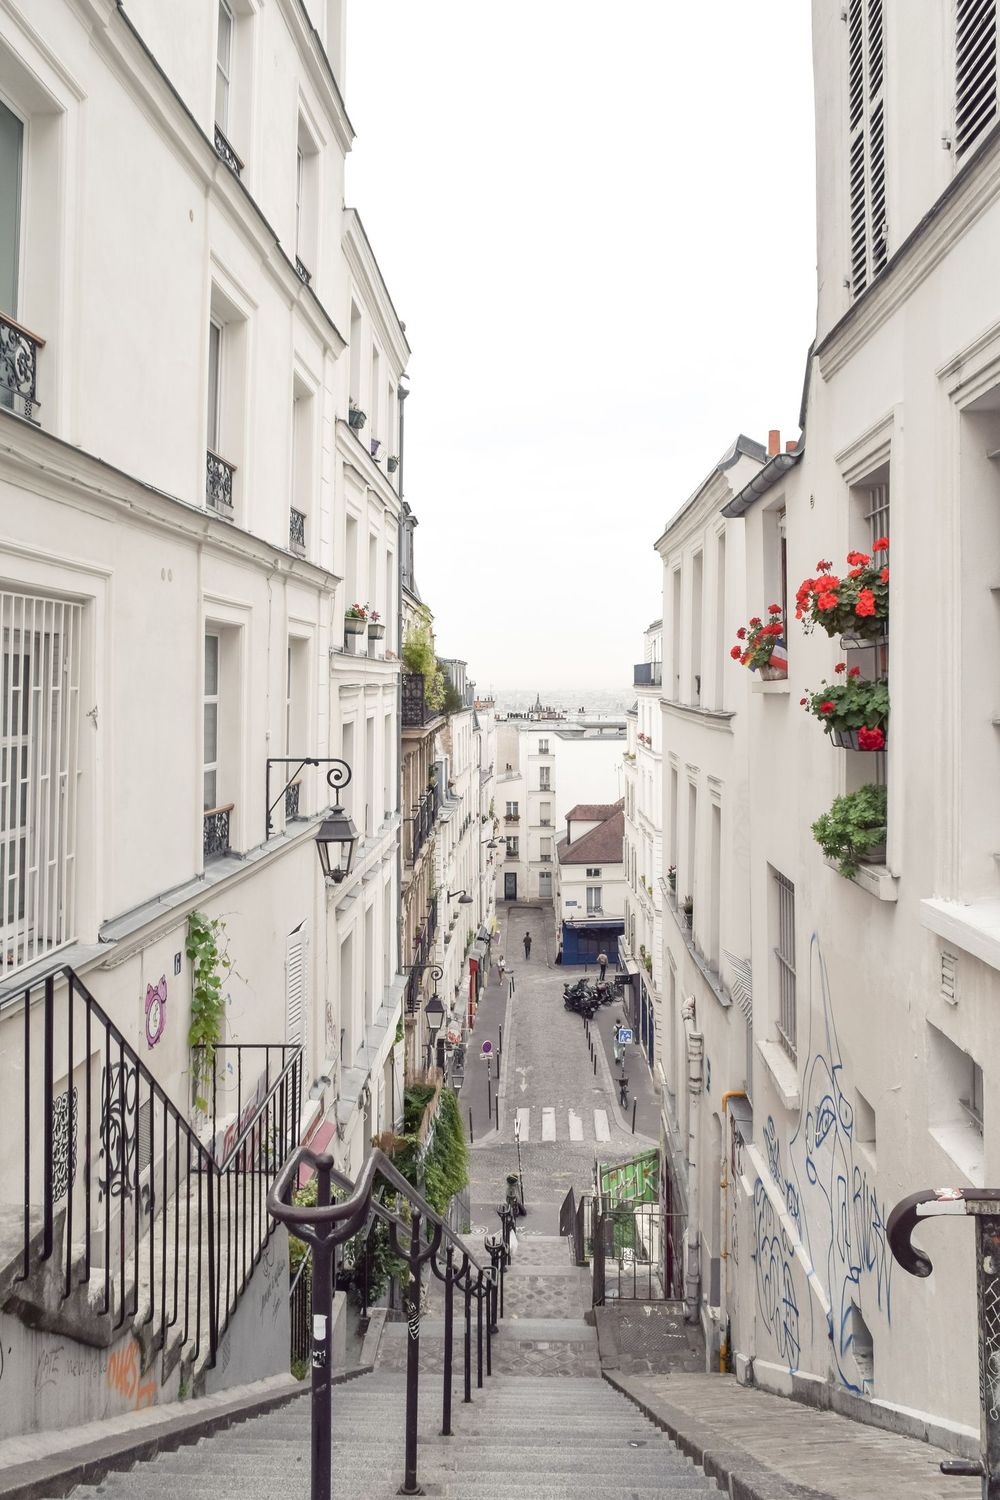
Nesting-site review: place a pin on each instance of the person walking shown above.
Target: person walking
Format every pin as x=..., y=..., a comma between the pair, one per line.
x=602, y=959
x=527, y=945
x=501, y=967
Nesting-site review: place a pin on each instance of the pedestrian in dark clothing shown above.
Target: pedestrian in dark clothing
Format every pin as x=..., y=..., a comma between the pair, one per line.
x=602, y=959
x=527, y=945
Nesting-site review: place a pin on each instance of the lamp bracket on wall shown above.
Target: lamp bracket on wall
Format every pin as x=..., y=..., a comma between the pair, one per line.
x=337, y=776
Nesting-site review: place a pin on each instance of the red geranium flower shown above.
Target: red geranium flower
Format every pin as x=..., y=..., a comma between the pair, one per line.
x=866, y=603
x=871, y=739
x=854, y=672
x=841, y=666
x=803, y=701
x=855, y=572
x=858, y=559
x=744, y=658
x=823, y=567
x=774, y=609
x=827, y=601
x=881, y=545
x=755, y=620
x=884, y=576
x=736, y=653
x=741, y=634
x=827, y=707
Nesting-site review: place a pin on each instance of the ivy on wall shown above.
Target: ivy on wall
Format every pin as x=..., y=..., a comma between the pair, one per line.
x=208, y=950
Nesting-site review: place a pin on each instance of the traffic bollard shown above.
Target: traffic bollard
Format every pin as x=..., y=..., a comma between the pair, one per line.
x=470, y=1128
x=634, y=1103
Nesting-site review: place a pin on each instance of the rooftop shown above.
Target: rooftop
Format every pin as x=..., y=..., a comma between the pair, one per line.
x=602, y=845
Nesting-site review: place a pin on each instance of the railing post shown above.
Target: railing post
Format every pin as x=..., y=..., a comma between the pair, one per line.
x=449, y=1323
x=479, y=1331
x=410, y=1485
x=213, y=1302
x=322, y=1317
x=48, y=1141
x=468, y=1335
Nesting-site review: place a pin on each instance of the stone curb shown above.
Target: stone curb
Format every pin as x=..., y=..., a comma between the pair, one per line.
x=41, y=1478
x=737, y=1472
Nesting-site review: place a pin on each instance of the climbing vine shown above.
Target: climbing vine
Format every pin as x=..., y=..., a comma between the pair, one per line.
x=420, y=657
x=208, y=951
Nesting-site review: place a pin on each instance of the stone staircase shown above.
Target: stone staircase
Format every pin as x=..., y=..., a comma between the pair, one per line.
x=545, y=1428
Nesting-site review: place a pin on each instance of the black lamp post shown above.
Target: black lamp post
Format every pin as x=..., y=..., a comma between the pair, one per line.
x=464, y=899
x=336, y=841
x=434, y=1016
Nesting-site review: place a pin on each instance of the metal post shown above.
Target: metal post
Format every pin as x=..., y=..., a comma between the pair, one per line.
x=500, y=1041
x=449, y=1317
x=595, y=1064
x=497, y=1103
x=634, y=1105
x=468, y=1335
x=410, y=1485
x=322, y=1317
x=471, y=1136
x=479, y=1332
x=489, y=1326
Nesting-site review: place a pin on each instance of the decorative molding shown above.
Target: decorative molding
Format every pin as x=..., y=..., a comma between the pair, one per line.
x=866, y=452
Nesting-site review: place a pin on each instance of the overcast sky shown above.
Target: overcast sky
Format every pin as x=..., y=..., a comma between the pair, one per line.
x=597, y=222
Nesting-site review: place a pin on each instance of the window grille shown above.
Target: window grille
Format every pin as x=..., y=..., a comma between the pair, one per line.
x=869, y=248
x=878, y=512
x=39, y=749
x=784, y=953
x=975, y=70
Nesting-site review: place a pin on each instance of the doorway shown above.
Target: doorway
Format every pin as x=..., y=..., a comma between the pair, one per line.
x=509, y=887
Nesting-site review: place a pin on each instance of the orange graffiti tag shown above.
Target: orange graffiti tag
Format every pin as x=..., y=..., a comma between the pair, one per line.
x=124, y=1376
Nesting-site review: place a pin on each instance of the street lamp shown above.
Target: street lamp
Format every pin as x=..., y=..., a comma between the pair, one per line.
x=336, y=841
x=464, y=899
x=490, y=843
x=434, y=1016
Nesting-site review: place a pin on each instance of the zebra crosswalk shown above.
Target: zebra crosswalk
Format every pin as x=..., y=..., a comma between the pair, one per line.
x=547, y=1123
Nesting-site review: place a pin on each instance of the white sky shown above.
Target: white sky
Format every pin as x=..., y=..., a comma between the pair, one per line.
x=597, y=222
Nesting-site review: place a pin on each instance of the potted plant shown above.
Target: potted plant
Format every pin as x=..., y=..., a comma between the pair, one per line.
x=687, y=907
x=761, y=647
x=376, y=629
x=374, y=446
x=356, y=619
x=356, y=417
x=857, y=604
x=853, y=832
x=392, y=463
x=853, y=711
x=672, y=877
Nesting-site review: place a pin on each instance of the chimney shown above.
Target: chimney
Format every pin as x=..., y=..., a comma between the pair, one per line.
x=791, y=445
x=773, y=442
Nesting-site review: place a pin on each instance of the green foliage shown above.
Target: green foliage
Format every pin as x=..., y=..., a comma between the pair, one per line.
x=853, y=702
x=855, y=824
x=420, y=657
x=446, y=1165
x=452, y=702
x=382, y=1264
x=208, y=951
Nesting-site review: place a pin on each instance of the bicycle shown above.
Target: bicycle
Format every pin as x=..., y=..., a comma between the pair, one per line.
x=623, y=1091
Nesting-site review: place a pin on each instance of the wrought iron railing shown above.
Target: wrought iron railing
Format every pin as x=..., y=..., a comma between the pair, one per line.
x=414, y=704
x=226, y=152
x=296, y=530
x=126, y=1210
x=421, y=955
x=215, y=831
x=422, y=1240
x=292, y=800
x=421, y=825
x=219, y=484
x=19, y=368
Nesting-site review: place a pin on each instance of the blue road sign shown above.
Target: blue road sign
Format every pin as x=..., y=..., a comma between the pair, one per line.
x=626, y=1034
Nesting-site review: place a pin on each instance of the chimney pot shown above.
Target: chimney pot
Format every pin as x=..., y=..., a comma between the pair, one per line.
x=791, y=445
x=773, y=442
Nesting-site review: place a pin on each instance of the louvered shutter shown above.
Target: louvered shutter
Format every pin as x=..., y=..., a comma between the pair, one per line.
x=296, y=985
x=867, y=207
x=975, y=69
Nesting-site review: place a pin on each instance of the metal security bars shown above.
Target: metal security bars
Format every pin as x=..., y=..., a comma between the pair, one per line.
x=867, y=167
x=784, y=954
x=127, y=1212
x=39, y=770
x=975, y=70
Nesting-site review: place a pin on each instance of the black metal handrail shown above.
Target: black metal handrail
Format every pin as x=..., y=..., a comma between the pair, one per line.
x=424, y=1238
x=141, y=1203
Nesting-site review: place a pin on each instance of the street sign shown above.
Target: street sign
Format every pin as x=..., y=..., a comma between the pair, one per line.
x=626, y=1035
x=487, y=1050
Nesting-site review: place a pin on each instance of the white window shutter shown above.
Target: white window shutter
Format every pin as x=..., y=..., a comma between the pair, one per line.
x=296, y=985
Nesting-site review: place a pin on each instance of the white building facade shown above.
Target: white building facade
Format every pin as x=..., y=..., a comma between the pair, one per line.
x=189, y=511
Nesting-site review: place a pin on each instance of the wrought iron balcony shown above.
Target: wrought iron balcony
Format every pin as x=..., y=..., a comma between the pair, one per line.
x=415, y=710
x=19, y=368
x=219, y=485
x=647, y=674
x=421, y=825
x=215, y=838
x=297, y=531
x=292, y=800
x=226, y=152
x=301, y=272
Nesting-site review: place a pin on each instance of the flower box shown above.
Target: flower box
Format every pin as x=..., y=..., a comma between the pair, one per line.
x=865, y=740
x=761, y=647
x=376, y=630
x=774, y=672
x=856, y=604
x=355, y=624
x=357, y=418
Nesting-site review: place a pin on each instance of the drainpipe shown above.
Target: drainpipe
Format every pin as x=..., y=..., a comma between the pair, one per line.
x=725, y=1352
x=692, y=1234
x=401, y=393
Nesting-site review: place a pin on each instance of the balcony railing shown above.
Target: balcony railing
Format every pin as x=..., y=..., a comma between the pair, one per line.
x=226, y=152
x=19, y=368
x=219, y=485
x=215, y=839
x=292, y=801
x=647, y=674
x=415, y=710
x=297, y=532
x=512, y=817
x=421, y=825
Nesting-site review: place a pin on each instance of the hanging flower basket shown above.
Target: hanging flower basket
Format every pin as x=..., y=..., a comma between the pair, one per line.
x=854, y=711
x=857, y=604
x=761, y=647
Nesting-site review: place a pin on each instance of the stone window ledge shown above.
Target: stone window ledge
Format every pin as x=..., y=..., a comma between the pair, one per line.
x=784, y=1073
x=877, y=880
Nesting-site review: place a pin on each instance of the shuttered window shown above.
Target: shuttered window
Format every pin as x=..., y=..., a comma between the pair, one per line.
x=975, y=70
x=296, y=985
x=869, y=239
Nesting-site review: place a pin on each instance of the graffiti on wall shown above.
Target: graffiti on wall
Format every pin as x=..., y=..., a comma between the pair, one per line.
x=633, y=1181
x=65, y=1114
x=831, y=1204
x=124, y=1376
x=119, y=1140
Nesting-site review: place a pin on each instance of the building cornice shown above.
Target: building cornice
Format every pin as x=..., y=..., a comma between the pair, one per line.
x=972, y=191
x=357, y=457
x=368, y=274
x=48, y=466
x=712, y=718
x=317, y=63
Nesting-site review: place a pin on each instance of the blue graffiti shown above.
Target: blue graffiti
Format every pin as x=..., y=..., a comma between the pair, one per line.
x=774, y=1260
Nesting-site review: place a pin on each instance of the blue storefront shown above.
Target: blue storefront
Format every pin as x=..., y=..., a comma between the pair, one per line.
x=584, y=939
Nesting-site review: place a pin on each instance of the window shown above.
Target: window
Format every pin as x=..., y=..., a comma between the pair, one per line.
x=296, y=717
x=306, y=192
x=594, y=872
x=544, y=779
x=11, y=156
x=39, y=738
x=877, y=512
x=302, y=468
x=220, y=736
x=211, y=722
x=545, y=849
x=697, y=595
x=545, y=814
x=543, y=747
x=784, y=953
x=721, y=627
x=675, y=642
x=594, y=899
x=512, y=848
x=975, y=70
x=214, y=383
x=224, y=399
x=223, y=65
x=512, y=810
x=867, y=183
x=955, y=1103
